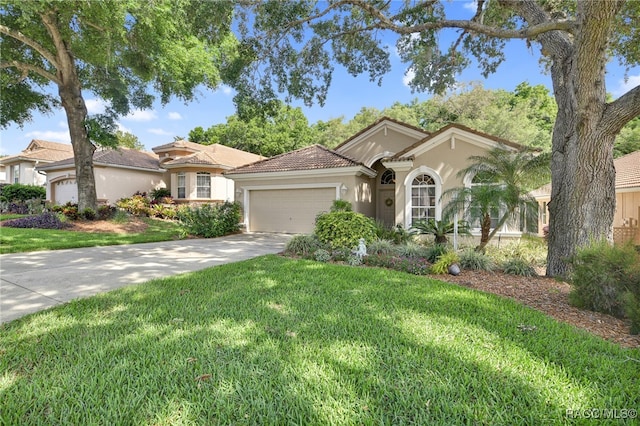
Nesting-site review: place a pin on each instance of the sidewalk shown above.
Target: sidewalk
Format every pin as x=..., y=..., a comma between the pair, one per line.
x=31, y=282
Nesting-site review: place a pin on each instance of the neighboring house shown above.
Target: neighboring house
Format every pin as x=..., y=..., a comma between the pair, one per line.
x=196, y=171
x=119, y=173
x=390, y=171
x=627, y=216
x=21, y=168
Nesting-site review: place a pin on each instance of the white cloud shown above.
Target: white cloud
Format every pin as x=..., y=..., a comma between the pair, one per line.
x=157, y=131
x=122, y=128
x=50, y=135
x=175, y=116
x=63, y=125
x=141, y=115
x=625, y=86
x=472, y=6
x=409, y=75
x=224, y=89
x=95, y=106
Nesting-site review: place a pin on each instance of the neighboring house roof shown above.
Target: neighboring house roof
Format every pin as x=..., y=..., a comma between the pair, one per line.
x=39, y=150
x=120, y=157
x=377, y=122
x=628, y=171
x=213, y=155
x=313, y=157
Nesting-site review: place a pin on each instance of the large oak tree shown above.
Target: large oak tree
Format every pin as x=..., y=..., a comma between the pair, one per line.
x=292, y=47
x=122, y=51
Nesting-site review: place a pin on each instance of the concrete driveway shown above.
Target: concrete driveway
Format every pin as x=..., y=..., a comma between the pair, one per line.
x=30, y=282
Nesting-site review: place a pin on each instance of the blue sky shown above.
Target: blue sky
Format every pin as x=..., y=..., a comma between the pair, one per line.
x=346, y=97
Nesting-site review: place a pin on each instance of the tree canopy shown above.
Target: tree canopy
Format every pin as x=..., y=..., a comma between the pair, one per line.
x=122, y=51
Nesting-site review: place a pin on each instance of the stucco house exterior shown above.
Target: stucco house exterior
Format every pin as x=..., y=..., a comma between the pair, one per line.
x=21, y=168
x=192, y=171
x=390, y=171
x=118, y=173
x=626, y=221
x=195, y=171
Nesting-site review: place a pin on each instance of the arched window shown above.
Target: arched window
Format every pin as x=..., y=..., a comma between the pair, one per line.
x=423, y=198
x=388, y=177
x=203, y=185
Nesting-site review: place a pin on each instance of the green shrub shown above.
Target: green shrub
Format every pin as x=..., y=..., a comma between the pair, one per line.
x=106, y=212
x=321, y=255
x=137, y=205
x=398, y=234
x=343, y=229
x=341, y=206
x=159, y=193
x=518, y=266
x=416, y=250
x=381, y=247
x=531, y=249
x=303, y=245
x=17, y=192
x=69, y=210
x=210, y=221
x=88, y=214
x=441, y=266
x=435, y=251
x=602, y=275
x=474, y=260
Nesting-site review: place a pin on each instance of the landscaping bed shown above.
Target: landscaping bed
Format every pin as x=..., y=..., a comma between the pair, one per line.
x=549, y=296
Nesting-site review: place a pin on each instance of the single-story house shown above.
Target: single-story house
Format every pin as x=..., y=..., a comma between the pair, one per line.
x=21, y=168
x=118, y=173
x=390, y=171
x=196, y=171
x=192, y=171
x=626, y=221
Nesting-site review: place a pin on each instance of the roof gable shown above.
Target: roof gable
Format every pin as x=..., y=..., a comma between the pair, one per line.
x=628, y=170
x=314, y=157
x=382, y=124
x=450, y=131
x=213, y=155
x=39, y=150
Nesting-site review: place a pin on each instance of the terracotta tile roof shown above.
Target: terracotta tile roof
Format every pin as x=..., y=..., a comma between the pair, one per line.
x=378, y=121
x=124, y=157
x=215, y=155
x=402, y=154
x=308, y=158
x=39, y=150
x=628, y=170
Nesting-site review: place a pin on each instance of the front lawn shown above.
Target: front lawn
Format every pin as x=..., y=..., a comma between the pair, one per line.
x=17, y=240
x=283, y=341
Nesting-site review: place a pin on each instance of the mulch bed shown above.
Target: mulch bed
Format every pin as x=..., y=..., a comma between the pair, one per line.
x=549, y=296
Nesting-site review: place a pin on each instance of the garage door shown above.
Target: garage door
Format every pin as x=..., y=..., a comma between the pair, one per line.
x=66, y=191
x=288, y=210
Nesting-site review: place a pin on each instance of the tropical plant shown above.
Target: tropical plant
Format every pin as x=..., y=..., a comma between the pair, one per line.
x=505, y=181
x=440, y=229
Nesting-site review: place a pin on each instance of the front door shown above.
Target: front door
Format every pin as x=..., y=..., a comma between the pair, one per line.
x=387, y=207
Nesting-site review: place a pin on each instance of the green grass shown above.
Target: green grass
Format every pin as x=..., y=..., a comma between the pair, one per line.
x=17, y=240
x=282, y=341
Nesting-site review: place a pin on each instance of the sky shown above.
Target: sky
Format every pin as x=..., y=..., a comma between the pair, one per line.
x=347, y=95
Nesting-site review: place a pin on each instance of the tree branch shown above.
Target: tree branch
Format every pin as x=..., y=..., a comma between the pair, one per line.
x=31, y=43
x=622, y=110
x=30, y=68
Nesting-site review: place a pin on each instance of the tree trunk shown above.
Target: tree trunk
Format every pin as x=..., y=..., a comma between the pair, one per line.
x=582, y=202
x=83, y=149
x=485, y=228
x=70, y=91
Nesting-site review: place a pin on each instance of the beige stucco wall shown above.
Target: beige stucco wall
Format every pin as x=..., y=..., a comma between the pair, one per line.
x=27, y=173
x=113, y=183
x=373, y=147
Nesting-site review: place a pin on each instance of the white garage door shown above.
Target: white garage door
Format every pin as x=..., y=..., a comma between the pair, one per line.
x=288, y=210
x=66, y=191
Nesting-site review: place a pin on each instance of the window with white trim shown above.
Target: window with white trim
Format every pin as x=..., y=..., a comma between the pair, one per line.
x=16, y=173
x=423, y=198
x=203, y=185
x=182, y=185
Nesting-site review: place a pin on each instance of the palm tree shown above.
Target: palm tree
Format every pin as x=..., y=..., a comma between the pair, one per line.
x=503, y=180
x=440, y=228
